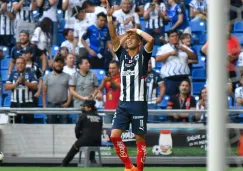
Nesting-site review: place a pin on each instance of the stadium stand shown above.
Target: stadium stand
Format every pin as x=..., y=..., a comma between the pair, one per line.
x=197, y=86
x=5, y=63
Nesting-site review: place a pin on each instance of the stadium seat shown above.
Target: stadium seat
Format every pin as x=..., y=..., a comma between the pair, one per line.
x=201, y=62
x=158, y=65
x=54, y=50
x=142, y=24
x=187, y=2
x=62, y=25
x=238, y=27
x=5, y=50
x=1, y=101
x=155, y=50
x=59, y=14
x=199, y=74
x=164, y=102
x=198, y=49
x=100, y=73
x=5, y=63
x=4, y=75
x=203, y=39
x=197, y=86
x=5, y=92
x=167, y=27
x=40, y=118
x=7, y=101
x=60, y=38
x=198, y=26
x=239, y=36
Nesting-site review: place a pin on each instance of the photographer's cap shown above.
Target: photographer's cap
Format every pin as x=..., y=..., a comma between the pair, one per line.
x=89, y=103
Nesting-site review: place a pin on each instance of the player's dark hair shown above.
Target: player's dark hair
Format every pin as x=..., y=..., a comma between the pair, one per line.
x=186, y=80
x=46, y=26
x=171, y=32
x=115, y=62
x=101, y=14
x=65, y=31
x=81, y=60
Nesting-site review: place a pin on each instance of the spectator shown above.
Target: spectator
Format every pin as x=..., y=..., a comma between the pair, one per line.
x=239, y=94
x=240, y=64
x=18, y=49
x=175, y=62
x=83, y=84
x=102, y=3
x=35, y=69
x=177, y=16
x=24, y=18
x=183, y=100
x=99, y=37
x=82, y=22
x=111, y=84
x=69, y=68
x=138, y=7
x=154, y=81
x=126, y=18
x=202, y=103
x=234, y=49
x=6, y=23
x=48, y=8
x=22, y=84
x=55, y=86
x=93, y=10
x=68, y=34
x=198, y=9
x=68, y=6
x=154, y=13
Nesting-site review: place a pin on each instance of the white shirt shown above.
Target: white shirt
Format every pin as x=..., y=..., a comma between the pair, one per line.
x=69, y=45
x=93, y=16
x=68, y=70
x=51, y=12
x=174, y=65
x=201, y=6
x=80, y=27
x=41, y=39
x=121, y=17
x=239, y=92
x=240, y=59
x=68, y=13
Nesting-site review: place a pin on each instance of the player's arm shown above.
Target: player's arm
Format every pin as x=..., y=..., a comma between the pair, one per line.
x=112, y=29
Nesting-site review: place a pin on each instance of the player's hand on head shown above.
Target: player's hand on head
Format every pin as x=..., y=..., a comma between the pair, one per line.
x=109, y=9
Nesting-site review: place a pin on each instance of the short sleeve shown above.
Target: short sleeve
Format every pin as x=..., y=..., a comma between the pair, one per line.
x=136, y=18
x=45, y=81
x=237, y=93
x=180, y=10
x=146, y=7
x=162, y=7
x=146, y=54
x=159, y=79
x=10, y=78
x=161, y=50
x=72, y=80
x=118, y=51
x=36, y=35
x=87, y=34
x=193, y=102
x=32, y=78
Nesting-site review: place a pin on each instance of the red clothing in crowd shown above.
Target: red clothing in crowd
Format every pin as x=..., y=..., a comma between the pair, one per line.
x=234, y=49
x=112, y=95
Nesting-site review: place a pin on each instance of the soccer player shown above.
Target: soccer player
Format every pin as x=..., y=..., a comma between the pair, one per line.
x=132, y=107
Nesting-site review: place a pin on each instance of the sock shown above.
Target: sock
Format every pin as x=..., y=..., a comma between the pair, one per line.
x=141, y=155
x=121, y=151
x=70, y=155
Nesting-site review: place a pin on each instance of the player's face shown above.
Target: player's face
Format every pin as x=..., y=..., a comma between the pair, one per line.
x=23, y=38
x=27, y=56
x=174, y=39
x=101, y=21
x=149, y=66
x=132, y=42
x=85, y=65
x=184, y=87
x=70, y=60
x=126, y=6
x=20, y=65
x=113, y=69
x=204, y=94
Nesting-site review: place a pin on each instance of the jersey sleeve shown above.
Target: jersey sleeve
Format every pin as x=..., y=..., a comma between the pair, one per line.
x=118, y=51
x=159, y=79
x=180, y=10
x=136, y=18
x=87, y=34
x=32, y=78
x=45, y=81
x=36, y=35
x=146, y=54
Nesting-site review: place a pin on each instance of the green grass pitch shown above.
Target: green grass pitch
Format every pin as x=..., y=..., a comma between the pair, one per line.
x=107, y=169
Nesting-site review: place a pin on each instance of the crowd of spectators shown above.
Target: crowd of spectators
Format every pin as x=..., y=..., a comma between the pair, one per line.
x=30, y=28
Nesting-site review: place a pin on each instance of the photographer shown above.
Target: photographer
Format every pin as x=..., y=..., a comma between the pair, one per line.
x=23, y=84
x=154, y=13
x=175, y=62
x=111, y=84
x=88, y=132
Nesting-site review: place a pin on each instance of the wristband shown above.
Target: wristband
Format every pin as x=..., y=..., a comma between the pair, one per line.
x=139, y=32
x=109, y=18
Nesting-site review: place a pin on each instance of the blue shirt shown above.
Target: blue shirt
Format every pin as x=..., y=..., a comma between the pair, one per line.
x=174, y=13
x=98, y=38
